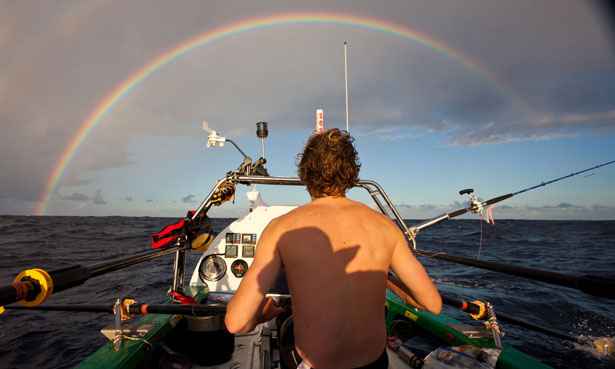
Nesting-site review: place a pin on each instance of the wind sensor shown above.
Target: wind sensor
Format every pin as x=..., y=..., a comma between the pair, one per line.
x=247, y=167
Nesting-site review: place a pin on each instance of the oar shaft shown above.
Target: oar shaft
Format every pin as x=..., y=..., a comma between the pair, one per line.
x=592, y=285
x=134, y=309
x=112, y=266
x=187, y=309
x=65, y=278
x=71, y=308
x=535, y=327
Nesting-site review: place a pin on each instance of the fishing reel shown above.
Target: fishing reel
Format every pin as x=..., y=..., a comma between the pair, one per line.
x=477, y=206
x=474, y=203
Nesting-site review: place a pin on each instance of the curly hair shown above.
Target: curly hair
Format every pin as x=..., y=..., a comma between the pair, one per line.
x=329, y=164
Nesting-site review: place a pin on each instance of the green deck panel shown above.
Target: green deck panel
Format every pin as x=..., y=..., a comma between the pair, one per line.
x=439, y=326
x=132, y=353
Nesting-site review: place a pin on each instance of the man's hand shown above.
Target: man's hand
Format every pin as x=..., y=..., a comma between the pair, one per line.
x=249, y=306
x=270, y=310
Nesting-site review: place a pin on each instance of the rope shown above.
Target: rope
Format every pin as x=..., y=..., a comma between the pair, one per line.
x=133, y=338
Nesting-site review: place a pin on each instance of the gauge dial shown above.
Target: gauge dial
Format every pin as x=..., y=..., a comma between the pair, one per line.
x=212, y=268
x=239, y=268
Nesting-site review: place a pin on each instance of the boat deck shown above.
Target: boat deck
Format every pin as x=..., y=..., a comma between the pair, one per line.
x=253, y=350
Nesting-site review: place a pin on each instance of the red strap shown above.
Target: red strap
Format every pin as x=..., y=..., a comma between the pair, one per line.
x=167, y=235
x=181, y=298
x=163, y=242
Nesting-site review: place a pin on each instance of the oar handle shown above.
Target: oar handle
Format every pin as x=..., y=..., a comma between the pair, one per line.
x=17, y=291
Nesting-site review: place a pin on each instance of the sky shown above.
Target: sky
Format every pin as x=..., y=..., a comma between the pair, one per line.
x=102, y=109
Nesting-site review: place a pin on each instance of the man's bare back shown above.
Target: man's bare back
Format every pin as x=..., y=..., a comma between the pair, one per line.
x=336, y=254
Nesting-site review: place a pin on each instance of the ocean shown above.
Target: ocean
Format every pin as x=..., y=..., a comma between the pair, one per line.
x=41, y=340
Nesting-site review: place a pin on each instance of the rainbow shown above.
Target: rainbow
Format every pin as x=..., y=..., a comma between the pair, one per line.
x=126, y=86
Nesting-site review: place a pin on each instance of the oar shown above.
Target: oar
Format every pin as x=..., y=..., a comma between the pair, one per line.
x=34, y=286
x=590, y=284
x=604, y=345
x=134, y=309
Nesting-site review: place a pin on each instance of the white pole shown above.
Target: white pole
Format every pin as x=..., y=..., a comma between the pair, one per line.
x=262, y=147
x=346, y=82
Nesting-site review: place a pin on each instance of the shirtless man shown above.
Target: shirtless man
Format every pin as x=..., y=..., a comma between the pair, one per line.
x=336, y=253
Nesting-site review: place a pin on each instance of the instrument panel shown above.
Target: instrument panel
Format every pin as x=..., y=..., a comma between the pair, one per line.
x=224, y=264
x=214, y=267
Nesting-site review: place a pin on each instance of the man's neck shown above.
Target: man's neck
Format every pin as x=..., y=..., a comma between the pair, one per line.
x=328, y=198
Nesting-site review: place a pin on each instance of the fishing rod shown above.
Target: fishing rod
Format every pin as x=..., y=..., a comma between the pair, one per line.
x=477, y=206
x=477, y=310
x=589, y=284
x=32, y=287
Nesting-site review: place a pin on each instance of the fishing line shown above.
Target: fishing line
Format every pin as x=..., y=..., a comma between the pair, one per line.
x=480, y=242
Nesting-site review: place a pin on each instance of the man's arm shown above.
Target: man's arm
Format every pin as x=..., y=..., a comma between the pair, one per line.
x=249, y=306
x=412, y=273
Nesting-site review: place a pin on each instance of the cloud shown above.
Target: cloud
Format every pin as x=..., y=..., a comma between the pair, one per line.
x=391, y=134
x=128, y=198
x=189, y=199
x=98, y=198
x=76, y=196
x=565, y=205
x=545, y=127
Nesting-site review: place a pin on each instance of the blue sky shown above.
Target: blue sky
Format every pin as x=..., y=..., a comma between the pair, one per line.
x=425, y=124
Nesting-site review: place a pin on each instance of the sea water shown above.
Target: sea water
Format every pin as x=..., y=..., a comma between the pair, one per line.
x=61, y=340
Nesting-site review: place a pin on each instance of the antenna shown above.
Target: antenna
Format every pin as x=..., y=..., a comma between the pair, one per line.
x=346, y=82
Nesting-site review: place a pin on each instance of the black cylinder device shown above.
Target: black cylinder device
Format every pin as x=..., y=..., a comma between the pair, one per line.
x=261, y=130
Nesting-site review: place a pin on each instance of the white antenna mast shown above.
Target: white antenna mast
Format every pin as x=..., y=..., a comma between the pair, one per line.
x=346, y=82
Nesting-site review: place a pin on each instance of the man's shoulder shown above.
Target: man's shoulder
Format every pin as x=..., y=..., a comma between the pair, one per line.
x=371, y=213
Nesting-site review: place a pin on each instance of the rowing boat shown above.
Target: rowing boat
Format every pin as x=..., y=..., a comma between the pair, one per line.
x=170, y=340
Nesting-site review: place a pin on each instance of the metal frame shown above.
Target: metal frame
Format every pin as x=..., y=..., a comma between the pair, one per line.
x=380, y=197
x=374, y=189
